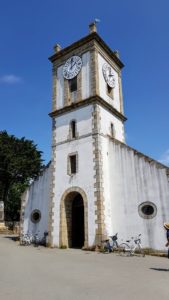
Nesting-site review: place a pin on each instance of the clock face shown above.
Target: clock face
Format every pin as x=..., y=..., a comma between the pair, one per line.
x=109, y=75
x=72, y=67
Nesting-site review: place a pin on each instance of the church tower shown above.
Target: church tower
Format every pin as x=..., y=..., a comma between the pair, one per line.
x=87, y=112
x=95, y=185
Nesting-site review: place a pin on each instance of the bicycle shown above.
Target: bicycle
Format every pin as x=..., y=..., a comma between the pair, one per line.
x=131, y=247
x=109, y=245
x=36, y=240
x=26, y=239
x=43, y=241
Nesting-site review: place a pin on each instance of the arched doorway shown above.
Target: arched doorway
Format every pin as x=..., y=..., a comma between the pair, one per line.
x=73, y=219
x=77, y=222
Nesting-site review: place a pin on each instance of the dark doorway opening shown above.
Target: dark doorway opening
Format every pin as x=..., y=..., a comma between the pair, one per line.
x=77, y=222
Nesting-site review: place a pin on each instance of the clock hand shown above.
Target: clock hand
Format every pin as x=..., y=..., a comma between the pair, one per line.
x=110, y=74
x=71, y=63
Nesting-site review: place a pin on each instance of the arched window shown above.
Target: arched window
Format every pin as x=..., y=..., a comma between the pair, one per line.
x=73, y=128
x=73, y=85
x=110, y=91
x=73, y=89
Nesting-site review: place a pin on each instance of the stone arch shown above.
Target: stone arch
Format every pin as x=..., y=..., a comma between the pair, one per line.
x=65, y=215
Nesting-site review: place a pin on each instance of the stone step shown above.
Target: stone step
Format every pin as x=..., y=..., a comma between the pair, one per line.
x=7, y=232
x=3, y=229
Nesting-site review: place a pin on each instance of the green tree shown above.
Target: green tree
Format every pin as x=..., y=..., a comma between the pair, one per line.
x=13, y=202
x=20, y=162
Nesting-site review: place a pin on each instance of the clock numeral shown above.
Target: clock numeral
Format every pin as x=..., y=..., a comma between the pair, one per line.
x=66, y=74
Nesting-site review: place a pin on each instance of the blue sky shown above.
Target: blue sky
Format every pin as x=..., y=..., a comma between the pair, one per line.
x=138, y=29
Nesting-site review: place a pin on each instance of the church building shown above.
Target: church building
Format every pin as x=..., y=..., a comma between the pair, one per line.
x=95, y=185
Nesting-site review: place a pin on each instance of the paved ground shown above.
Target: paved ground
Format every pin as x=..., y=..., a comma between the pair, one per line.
x=48, y=274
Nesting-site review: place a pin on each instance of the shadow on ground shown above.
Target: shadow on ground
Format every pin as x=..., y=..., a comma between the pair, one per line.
x=159, y=269
x=14, y=238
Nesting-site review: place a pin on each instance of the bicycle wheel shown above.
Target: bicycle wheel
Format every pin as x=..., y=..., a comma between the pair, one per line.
x=105, y=249
x=139, y=251
x=124, y=249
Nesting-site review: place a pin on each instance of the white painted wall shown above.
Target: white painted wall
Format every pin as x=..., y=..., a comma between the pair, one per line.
x=128, y=181
x=85, y=176
x=106, y=119
x=106, y=185
x=37, y=197
x=105, y=128
x=134, y=180
x=102, y=85
x=86, y=81
x=60, y=88
x=83, y=119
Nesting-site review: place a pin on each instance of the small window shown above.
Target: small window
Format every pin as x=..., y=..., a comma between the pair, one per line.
x=73, y=129
x=110, y=91
x=112, y=130
x=147, y=210
x=73, y=164
x=35, y=216
x=73, y=84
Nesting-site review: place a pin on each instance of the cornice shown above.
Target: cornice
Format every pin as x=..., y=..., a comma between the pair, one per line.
x=91, y=37
x=91, y=100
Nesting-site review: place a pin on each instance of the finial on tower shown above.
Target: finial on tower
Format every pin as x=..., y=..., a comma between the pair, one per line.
x=57, y=48
x=93, y=27
x=116, y=52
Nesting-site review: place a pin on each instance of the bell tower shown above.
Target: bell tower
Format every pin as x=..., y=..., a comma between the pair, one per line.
x=87, y=111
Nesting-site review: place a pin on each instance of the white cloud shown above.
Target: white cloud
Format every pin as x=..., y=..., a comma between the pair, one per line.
x=165, y=158
x=10, y=79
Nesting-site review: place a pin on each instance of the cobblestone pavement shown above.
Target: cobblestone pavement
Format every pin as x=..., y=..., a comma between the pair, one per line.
x=42, y=273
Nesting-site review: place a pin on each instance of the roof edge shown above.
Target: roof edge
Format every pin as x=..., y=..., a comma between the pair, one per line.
x=136, y=152
x=82, y=41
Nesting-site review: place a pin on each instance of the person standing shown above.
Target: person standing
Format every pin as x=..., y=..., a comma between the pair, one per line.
x=166, y=226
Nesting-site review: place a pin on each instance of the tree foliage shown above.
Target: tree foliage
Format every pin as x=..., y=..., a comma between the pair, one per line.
x=20, y=162
x=13, y=202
